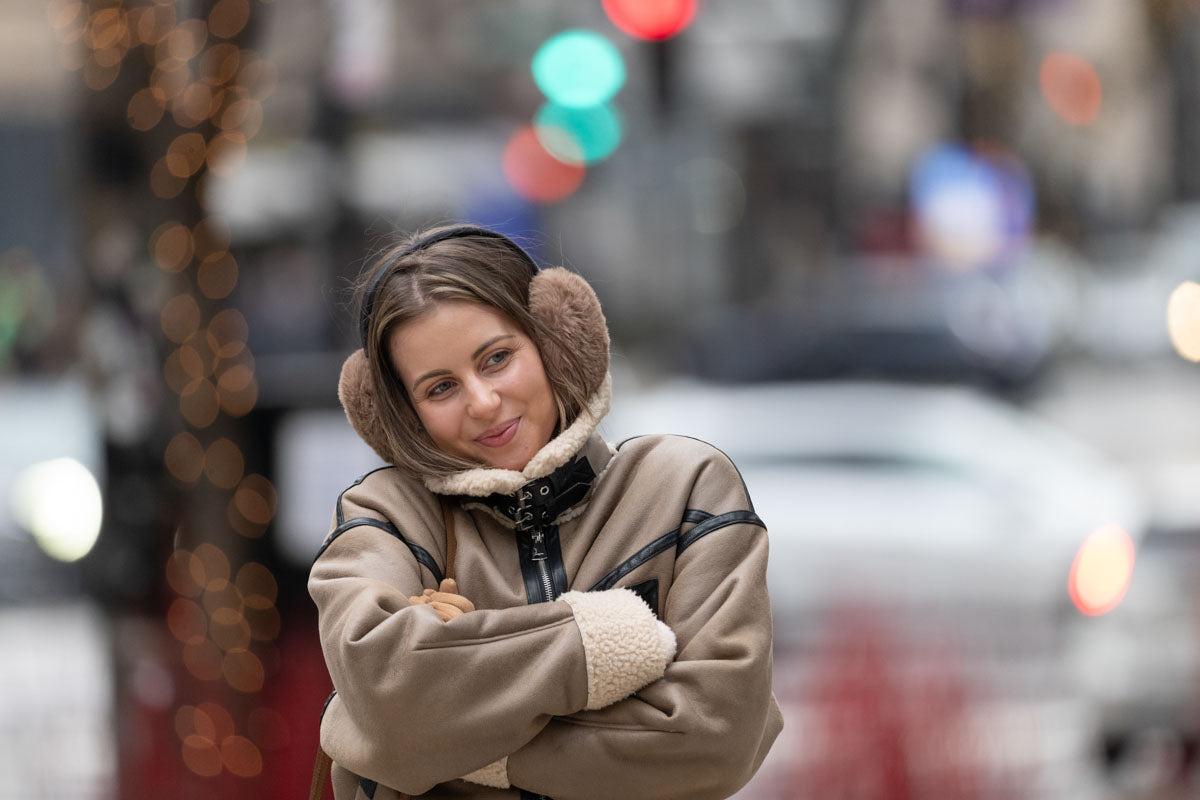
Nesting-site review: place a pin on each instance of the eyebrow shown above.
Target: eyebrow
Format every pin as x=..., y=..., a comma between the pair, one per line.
x=478, y=352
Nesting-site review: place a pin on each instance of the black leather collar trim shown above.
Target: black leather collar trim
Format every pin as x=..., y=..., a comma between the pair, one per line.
x=546, y=498
x=420, y=553
x=360, y=479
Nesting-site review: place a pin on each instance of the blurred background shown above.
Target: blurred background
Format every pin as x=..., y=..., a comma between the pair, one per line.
x=924, y=268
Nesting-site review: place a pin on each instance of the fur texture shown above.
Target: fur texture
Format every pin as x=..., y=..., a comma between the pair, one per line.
x=494, y=775
x=565, y=303
x=625, y=646
x=357, y=396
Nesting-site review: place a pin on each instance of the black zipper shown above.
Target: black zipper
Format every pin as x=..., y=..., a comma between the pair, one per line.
x=537, y=540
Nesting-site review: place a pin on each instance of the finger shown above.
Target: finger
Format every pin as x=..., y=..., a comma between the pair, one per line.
x=446, y=611
x=418, y=601
x=428, y=592
x=457, y=600
x=449, y=586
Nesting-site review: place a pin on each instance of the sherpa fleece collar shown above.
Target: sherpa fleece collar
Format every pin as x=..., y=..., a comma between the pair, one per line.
x=558, y=452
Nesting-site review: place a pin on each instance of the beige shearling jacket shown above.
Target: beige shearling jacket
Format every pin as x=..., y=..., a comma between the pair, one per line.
x=563, y=683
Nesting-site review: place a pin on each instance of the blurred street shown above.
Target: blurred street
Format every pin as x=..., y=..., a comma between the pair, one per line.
x=927, y=270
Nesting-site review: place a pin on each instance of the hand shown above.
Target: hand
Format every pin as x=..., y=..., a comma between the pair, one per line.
x=446, y=601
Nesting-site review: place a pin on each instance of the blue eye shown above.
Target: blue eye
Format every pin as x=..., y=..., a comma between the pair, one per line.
x=498, y=357
x=440, y=388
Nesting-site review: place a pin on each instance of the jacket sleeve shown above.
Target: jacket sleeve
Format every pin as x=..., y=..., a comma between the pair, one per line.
x=704, y=728
x=420, y=701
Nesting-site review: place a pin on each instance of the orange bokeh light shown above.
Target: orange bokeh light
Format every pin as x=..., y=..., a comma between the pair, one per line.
x=1102, y=570
x=1071, y=86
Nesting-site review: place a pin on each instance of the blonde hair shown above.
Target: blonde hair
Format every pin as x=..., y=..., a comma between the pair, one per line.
x=488, y=270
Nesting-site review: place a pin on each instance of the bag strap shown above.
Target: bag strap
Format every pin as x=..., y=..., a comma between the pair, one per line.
x=323, y=762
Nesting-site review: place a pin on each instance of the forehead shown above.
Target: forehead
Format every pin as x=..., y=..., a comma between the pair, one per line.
x=446, y=335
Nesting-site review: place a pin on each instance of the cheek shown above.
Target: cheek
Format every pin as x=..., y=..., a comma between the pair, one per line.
x=439, y=421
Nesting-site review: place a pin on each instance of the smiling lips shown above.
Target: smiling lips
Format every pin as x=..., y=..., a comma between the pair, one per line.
x=500, y=435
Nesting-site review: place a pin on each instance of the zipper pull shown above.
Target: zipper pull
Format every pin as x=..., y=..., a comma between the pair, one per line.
x=539, y=548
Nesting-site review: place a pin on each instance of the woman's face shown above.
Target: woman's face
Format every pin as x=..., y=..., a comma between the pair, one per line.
x=476, y=381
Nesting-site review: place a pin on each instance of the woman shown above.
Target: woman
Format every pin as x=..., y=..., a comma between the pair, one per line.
x=599, y=642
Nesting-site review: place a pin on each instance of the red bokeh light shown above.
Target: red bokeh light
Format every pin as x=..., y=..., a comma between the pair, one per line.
x=650, y=19
x=535, y=174
x=1071, y=86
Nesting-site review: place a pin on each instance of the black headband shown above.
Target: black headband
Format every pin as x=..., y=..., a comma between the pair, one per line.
x=455, y=232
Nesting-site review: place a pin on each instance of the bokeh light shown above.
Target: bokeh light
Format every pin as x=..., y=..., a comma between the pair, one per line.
x=209, y=566
x=241, y=757
x=1071, y=87
x=650, y=19
x=971, y=208
x=201, y=756
x=184, y=457
x=187, y=621
x=221, y=719
x=163, y=182
x=252, y=506
x=229, y=629
x=171, y=246
x=184, y=41
x=229, y=330
x=1101, y=571
x=199, y=403
x=59, y=502
x=219, y=64
x=61, y=13
x=228, y=18
x=257, y=585
x=578, y=68
x=145, y=109
x=536, y=175
x=237, y=390
x=179, y=572
x=1183, y=320
x=226, y=152
x=243, y=671
x=224, y=464
x=578, y=135
x=180, y=318
x=203, y=660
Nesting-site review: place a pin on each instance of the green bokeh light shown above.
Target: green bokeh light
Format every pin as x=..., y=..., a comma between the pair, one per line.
x=578, y=135
x=578, y=69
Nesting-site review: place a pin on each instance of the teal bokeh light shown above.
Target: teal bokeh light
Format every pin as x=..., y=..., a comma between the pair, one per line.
x=578, y=69
x=578, y=135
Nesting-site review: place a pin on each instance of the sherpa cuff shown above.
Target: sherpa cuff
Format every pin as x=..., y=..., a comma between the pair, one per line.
x=625, y=646
x=494, y=775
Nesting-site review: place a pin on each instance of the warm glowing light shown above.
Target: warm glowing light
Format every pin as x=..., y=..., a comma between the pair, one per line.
x=241, y=757
x=200, y=404
x=186, y=621
x=1100, y=574
x=578, y=68
x=154, y=22
x=145, y=109
x=244, y=115
x=229, y=330
x=180, y=317
x=105, y=28
x=172, y=246
x=257, y=585
x=203, y=660
x=170, y=78
x=72, y=55
x=258, y=75
x=184, y=458
x=1071, y=86
x=178, y=571
x=228, y=18
x=243, y=671
x=226, y=152
x=217, y=275
x=237, y=390
x=535, y=174
x=575, y=135
x=229, y=629
x=650, y=19
x=193, y=105
x=201, y=756
x=61, y=13
x=59, y=503
x=223, y=464
x=163, y=183
x=108, y=56
x=185, y=40
x=209, y=566
x=228, y=597
x=252, y=506
x=1183, y=320
x=222, y=721
x=190, y=721
x=196, y=360
x=219, y=63
x=211, y=235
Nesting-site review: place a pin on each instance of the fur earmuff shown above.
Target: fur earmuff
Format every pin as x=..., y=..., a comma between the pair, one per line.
x=560, y=299
x=565, y=303
x=357, y=395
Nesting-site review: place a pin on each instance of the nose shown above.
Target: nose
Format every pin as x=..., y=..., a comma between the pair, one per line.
x=482, y=398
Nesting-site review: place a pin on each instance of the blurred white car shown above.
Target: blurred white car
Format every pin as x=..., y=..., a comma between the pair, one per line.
x=927, y=543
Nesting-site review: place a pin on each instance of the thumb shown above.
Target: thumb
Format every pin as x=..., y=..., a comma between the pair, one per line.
x=449, y=586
